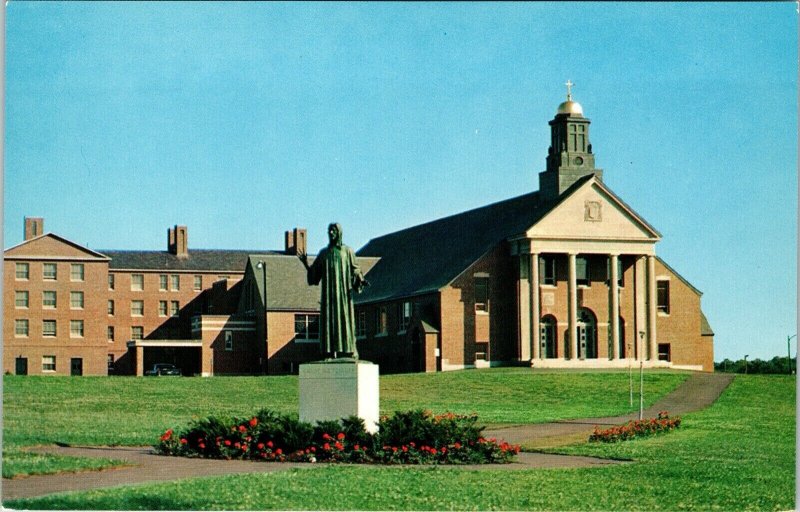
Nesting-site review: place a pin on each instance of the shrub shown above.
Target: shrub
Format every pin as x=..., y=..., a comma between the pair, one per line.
x=638, y=428
x=413, y=437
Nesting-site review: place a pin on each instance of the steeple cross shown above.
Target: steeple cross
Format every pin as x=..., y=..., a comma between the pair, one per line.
x=569, y=85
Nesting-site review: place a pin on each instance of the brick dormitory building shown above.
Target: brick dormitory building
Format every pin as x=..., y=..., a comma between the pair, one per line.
x=563, y=277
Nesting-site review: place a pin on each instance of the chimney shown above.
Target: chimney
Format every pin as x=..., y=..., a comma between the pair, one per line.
x=177, y=241
x=296, y=241
x=34, y=226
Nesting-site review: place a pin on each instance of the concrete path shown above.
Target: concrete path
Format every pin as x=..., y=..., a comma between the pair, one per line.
x=698, y=391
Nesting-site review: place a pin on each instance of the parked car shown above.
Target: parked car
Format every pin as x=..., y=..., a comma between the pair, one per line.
x=163, y=369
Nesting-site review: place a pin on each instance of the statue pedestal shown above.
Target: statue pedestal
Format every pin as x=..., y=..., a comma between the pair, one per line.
x=338, y=388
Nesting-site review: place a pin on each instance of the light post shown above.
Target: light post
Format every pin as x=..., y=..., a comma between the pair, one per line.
x=262, y=265
x=641, y=375
x=789, y=350
x=745, y=363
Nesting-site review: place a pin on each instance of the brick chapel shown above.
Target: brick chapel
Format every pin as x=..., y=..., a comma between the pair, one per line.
x=566, y=276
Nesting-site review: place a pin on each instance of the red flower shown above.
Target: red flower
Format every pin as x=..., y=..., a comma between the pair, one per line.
x=254, y=422
x=326, y=446
x=184, y=441
x=236, y=445
x=227, y=443
x=405, y=448
x=269, y=444
x=314, y=449
x=260, y=446
x=457, y=445
x=326, y=437
x=244, y=447
x=278, y=451
x=242, y=428
x=340, y=436
x=167, y=435
x=444, y=449
x=356, y=447
x=394, y=448
x=339, y=446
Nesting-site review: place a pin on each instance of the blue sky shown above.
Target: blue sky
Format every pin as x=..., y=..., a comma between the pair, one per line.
x=245, y=120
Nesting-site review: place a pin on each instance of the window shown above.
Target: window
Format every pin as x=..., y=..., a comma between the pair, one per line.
x=176, y=282
x=481, y=294
x=111, y=307
x=228, y=341
x=175, y=308
x=404, y=315
x=361, y=324
x=49, y=328
x=137, y=282
x=547, y=269
x=110, y=360
x=306, y=327
x=76, y=300
x=662, y=296
x=663, y=352
x=198, y=283
x=76, y=328
x=110, y=333
x=49, y=271
x=23, y=271
x=21, y=299
x=49, y=299
x=48, y=363
x=137, y=307
x=76, y=272
x=21, y=328
x=582, y=271
x=381, y=321
x=111, y=281
x=137, y=332
x=162, y=282
x=162, y=308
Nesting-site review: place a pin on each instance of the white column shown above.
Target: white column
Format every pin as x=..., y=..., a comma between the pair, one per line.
x=524, y=308
x=651, y=306
x=640, y=297
x=573, y=309
x=536, y=313
x=614, y=303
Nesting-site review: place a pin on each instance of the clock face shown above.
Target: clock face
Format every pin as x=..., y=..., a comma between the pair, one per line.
x=578, y=161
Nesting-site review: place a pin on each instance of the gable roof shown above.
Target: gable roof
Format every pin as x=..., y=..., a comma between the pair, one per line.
x=287, y=285
x=209, y=260
x=18, y=251
x=705, y=327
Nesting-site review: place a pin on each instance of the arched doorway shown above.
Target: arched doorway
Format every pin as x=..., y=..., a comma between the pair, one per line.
x=587, y=334
x=548, y=336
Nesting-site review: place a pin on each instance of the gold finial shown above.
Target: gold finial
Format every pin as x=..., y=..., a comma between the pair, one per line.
x=569, y=85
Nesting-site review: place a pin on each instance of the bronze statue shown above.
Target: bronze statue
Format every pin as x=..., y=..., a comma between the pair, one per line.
x=335, y=267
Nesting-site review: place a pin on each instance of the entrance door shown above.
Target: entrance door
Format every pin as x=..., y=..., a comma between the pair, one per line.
x=587, y=335
x=22, y=366
x=548, y=337
x=76, y=366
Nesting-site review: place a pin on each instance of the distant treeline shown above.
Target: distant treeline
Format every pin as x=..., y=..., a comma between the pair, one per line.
x=777, y=364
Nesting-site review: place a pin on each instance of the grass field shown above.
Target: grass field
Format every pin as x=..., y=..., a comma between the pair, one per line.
x=736, y=455
x=135, y=411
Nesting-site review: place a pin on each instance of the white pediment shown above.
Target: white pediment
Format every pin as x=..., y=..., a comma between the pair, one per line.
x=51, y=247
x=592, y=212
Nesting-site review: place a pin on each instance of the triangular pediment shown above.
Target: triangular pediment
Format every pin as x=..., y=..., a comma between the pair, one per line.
x=592, y=211
x=51, y=247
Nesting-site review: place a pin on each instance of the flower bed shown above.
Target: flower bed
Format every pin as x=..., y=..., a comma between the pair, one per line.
x=413, y=437
x=638, y=428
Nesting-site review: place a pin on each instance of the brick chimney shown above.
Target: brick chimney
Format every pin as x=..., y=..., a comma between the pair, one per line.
x=34, y=226
x=177, y=241
x=295, y=241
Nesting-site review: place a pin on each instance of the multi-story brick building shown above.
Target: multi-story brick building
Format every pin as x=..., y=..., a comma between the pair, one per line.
x=563, y=277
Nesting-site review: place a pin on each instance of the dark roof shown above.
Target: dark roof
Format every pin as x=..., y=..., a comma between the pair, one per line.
x=425, y=258
x=287, y=286
x=211, y=260
x=705, y=327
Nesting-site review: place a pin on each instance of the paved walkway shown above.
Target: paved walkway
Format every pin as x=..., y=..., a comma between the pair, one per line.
x=698, y=391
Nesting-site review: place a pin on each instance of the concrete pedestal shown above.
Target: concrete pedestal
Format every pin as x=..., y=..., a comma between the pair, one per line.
x=336, y=389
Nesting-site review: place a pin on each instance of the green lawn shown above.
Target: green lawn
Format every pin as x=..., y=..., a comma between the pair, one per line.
x=135, y=411
x=736, y=455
